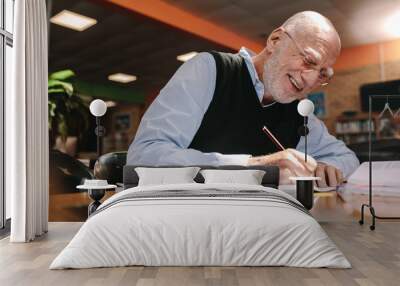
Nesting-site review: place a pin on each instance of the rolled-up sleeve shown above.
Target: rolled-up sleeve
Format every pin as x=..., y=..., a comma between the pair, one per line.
x=172, y=120
x=324, y=147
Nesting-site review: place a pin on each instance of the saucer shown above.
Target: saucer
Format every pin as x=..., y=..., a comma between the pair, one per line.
x=95, y=185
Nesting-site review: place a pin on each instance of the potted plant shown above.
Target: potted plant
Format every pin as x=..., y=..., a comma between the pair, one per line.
x=68, y=112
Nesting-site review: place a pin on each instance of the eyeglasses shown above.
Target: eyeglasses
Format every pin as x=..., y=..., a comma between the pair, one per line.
x=324, y=74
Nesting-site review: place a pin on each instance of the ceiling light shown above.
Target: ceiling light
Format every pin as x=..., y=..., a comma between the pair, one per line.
x=122, y=77
x=392, y=24
x=186, y=57
x=73, y=20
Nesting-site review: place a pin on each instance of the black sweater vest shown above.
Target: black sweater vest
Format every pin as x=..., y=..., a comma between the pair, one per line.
x=234, y=119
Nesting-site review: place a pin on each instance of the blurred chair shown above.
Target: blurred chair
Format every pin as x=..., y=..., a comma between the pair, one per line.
x=65, y=173
x=66, y=203
x=110, y=167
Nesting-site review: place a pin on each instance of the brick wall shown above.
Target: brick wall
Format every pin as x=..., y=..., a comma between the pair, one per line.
x=343, y=91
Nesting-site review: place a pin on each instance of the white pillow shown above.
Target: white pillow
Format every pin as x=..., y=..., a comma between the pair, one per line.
x=165, y=176
x=248, y=177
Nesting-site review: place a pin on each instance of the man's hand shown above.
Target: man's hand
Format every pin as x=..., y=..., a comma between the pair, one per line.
x=330, y=176
x=291, y=163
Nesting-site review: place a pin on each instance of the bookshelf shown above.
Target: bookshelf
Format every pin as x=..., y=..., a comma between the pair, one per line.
x=355, y=129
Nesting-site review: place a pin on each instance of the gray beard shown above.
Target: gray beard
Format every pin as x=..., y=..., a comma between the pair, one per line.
x=271, y=85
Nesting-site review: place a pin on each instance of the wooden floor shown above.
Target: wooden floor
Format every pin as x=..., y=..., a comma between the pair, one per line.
x=374, y=255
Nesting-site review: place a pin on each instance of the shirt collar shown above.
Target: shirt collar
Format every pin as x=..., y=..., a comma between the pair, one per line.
x=247, y=54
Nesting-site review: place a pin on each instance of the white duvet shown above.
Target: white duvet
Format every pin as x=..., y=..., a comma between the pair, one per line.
x=200, y=231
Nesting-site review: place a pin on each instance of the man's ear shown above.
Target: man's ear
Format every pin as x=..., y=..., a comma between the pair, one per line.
x=273, y=39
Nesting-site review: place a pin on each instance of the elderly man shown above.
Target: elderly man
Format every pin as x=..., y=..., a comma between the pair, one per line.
x=213, y=109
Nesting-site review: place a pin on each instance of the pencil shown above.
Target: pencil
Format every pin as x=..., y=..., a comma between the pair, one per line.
x=273, y=139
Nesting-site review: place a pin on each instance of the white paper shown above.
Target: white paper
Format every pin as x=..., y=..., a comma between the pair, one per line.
x=384, y=173
x=364, y=190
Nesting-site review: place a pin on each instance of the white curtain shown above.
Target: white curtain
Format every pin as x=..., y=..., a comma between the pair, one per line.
x=27, y=149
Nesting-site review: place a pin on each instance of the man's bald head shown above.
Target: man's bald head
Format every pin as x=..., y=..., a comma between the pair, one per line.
x=309, y=23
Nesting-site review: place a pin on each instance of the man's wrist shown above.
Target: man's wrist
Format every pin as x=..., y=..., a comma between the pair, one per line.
x=261, y=160
x=254, y=161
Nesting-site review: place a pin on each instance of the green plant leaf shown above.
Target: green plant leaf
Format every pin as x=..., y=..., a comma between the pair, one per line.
x=62, y=75
x=58, y=84
x=68, y=113
x=56, y=90
x=52, y=108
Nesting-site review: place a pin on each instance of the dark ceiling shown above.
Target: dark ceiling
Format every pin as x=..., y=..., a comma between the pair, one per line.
x=121, y=41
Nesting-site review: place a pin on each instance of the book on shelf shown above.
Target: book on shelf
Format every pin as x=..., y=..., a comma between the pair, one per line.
x=353, y=127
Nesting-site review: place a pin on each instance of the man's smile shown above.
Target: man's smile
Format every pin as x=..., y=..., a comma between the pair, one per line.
x=297, y=86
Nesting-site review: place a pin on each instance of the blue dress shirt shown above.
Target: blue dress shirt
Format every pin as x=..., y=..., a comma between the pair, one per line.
x=172, y=120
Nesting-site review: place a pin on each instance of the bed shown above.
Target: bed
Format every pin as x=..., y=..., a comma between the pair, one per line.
x=201, y=224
